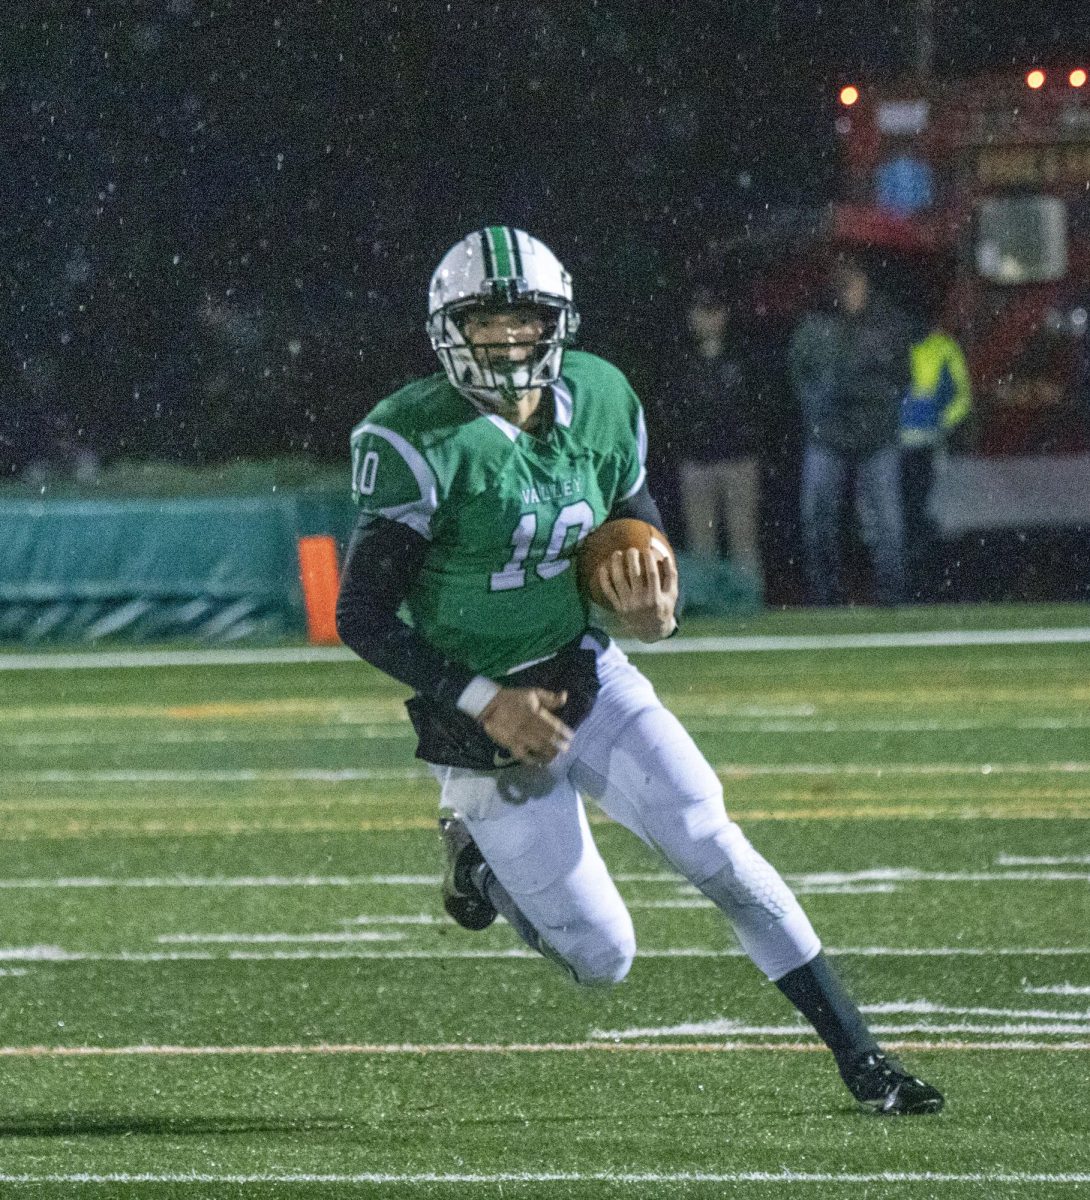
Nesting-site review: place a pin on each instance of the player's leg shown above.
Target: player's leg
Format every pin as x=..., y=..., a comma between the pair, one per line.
x=637, y=761
x=634, y=758
x=541, y=869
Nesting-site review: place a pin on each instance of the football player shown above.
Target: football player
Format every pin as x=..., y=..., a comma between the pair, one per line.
x=475, y=486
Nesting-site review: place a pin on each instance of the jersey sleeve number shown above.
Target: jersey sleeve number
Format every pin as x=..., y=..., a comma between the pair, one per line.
x=578, y=517
x=367, y=473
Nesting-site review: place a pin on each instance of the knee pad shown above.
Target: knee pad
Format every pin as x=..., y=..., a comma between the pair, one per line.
x=746, y=880
x=767, y=919
x=597, y=957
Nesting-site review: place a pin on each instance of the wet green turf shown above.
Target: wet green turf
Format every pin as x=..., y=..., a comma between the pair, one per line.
x=242, y=859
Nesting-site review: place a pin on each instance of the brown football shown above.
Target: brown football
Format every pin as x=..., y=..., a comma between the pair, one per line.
x=598, y=546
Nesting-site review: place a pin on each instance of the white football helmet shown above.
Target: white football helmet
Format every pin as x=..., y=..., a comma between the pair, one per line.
x=493, y=269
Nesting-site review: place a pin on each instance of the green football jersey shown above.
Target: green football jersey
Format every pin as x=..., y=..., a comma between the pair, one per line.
x=503, y=510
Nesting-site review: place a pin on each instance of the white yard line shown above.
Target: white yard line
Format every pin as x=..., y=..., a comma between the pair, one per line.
x=993, y=724
x=878, y=879
x=725, y=725
x=931, y=1007
x=818, y=880
x=80, y=882
x=114, y=660
x=1058, y=860
x=863, y=641
x=151, y=802
x=912, y=875
x=365, y=774
x=475, y=1048
x=260, y=939
x=395, y=919
x=877, y=770
x=696, y=902
x=101, y=660
x=273, y=881
x=956, y=951
x=845, y=889
x=58, y=954
x=781, y=1178
x=1014, y=1022
x=51, y=742
x=245, y=775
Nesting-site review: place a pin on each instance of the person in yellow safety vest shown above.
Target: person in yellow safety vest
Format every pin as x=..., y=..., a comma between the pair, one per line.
x=938, y=400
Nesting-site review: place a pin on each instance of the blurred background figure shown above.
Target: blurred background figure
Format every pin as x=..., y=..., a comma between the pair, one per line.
x=937, y=403
x=905, y=182
x=1082, y=362
x=850, y=367
x=715, y=435
x=39, y=443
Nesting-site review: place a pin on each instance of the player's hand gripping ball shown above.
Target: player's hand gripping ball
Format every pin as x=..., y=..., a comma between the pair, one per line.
x=597, y=549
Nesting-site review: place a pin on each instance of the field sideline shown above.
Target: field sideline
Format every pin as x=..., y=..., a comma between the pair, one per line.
x=225, y=970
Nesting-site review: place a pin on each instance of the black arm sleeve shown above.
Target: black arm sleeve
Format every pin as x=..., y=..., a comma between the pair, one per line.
x=384, y=557
x=640, y=506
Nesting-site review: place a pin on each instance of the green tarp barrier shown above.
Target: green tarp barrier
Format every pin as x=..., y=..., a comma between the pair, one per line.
x=716, y=587
x=215, y=569
x=208, y=568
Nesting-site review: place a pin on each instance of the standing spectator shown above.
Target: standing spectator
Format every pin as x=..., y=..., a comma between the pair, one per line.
x=850, y=366
x=937, y=402
x=1082, y=367
x=715, y=436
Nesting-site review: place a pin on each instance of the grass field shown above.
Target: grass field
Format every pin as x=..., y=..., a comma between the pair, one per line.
x=224, y=968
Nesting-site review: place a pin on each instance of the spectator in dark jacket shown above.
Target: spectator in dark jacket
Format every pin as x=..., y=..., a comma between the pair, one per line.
x=850, y=367
x=715, y=437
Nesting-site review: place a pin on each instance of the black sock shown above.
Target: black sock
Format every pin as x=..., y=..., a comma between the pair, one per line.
x=817, y=992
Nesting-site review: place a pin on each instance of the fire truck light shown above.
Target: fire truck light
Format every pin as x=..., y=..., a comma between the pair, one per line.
x=1035, y=79
x=849, y=95
x=1077, y=78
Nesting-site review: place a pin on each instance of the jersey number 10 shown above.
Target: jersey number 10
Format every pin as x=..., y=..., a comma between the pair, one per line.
x=575, y=518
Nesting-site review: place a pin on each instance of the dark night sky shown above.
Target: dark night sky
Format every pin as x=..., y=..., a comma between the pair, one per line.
x=223, y=213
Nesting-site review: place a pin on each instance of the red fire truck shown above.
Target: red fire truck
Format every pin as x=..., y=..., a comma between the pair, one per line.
x=982, y=187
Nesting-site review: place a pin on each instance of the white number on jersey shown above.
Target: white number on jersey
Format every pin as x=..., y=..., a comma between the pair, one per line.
x=579, y=516
x=368, y=471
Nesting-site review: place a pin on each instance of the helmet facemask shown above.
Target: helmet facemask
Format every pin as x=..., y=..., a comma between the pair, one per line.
x=495, y=373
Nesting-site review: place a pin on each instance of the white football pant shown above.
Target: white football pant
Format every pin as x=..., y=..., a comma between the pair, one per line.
x=634, y=759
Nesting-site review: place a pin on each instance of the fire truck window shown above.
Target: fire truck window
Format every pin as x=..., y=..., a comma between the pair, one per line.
x=1021, y=239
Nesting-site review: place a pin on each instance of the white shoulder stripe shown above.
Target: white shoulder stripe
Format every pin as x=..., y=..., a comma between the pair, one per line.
x=509, y=431
x=565, y=405
x=417, y=515
x=410, y=515
x=641, y=448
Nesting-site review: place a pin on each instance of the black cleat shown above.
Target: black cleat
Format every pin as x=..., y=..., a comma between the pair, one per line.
x=462, y=899
x=880, y=1083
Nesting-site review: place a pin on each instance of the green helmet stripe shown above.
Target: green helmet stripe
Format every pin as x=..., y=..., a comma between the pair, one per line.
x=500, y=244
